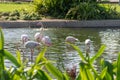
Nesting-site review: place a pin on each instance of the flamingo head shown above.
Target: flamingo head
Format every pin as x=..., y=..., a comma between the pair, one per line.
x=46, y=41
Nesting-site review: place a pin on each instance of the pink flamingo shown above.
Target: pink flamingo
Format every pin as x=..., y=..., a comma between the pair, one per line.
x=31, y=45
x=46, y=41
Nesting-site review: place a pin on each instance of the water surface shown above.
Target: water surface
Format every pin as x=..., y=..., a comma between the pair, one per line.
x=59, y=53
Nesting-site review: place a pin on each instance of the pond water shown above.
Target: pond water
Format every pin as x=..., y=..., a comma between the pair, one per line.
x=58, y=52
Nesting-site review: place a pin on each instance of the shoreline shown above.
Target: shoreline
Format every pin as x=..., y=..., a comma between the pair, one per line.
x=58, y=23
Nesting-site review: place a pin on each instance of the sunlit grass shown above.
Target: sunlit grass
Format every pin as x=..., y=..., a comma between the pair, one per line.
x=116, y=5
x=9, y=7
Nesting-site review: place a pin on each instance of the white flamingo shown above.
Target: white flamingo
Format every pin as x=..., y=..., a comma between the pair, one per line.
x=24, y=38
x=38, y=36
x=87, y=42
x=71, y=39
x=46, y=41
x=31, y=45
x=87, y=46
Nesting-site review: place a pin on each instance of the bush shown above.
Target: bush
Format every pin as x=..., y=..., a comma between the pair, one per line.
x=15, y=13
x=88, y=11
x=24, y=15
x=54, y=7
x=74, y=9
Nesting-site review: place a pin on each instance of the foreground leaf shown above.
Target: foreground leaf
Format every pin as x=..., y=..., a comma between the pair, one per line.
x=52, y=69
x=103, y=73
x=118, y=67
x=19, y=57
x=99, y=53
x=40, y=56
x=1, y=40
x=10, y=57
x=42, y=75
x=78, y=50
x=85, y=72
x=2, y=75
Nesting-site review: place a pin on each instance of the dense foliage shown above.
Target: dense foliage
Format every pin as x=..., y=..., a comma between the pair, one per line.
x=65, y=9
x=88, y=11
x=75, y=9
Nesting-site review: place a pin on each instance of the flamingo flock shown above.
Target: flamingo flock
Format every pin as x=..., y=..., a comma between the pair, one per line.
x=39, y=40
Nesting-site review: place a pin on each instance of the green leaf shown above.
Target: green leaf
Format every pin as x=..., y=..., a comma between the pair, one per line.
x=78, y=50
x=109, y=68
x=19, y=57
x=108, y=76
x=52, y=69
x=10, y=57
x=103, y=73
x=99, y=53
x=85, y=72
x=7, y=75
x=2, y=77
x=78, y=77
x=42, y=75
x=118, y=67
x=1, y=40
x=66, y=77
x=16, y=77
x=41, y=55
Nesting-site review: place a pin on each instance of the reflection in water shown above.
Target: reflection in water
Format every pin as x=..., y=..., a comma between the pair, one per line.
x=59, y=53
x=111, y=38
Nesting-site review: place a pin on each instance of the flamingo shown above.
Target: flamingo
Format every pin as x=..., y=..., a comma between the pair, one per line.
x=24, y=38
x=39, y=24
x=71, y=39
x=87, y=42
x=31, y=45
x=87, y=45
x=46, y=41
x=38, y=36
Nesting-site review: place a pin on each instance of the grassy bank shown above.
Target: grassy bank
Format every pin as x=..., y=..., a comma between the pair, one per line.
x=18, y=10
x=112, y=5
x=9, y=7
x=25, y=11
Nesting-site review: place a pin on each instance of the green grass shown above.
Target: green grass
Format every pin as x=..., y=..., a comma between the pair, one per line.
x=117, y=7
x=112, y=5
x=9, y=7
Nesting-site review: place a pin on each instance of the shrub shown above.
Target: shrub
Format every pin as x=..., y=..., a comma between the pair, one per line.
x=15, y=13
x=88, y=11
x=54, y=7
x=74, y=9
x=24, y=15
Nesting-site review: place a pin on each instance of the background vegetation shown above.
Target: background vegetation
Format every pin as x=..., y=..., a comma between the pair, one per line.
x=64, y=9
x=78, y=9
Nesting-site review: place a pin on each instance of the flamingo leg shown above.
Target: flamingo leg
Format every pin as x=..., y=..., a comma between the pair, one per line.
x=32, y=51
x=23, y=56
